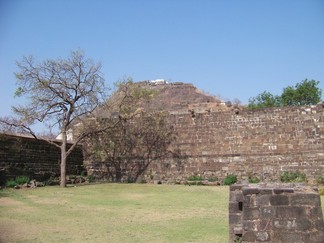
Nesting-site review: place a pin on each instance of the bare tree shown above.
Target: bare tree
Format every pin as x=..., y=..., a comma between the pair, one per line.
x=58, y=93
x=129, y=147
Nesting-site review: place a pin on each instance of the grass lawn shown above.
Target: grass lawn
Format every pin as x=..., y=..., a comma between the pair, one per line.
x=115, y=213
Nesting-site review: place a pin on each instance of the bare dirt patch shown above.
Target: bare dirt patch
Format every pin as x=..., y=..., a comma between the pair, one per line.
x=6, y=201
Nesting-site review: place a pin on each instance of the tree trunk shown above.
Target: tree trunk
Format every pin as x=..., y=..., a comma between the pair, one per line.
x=63, y=160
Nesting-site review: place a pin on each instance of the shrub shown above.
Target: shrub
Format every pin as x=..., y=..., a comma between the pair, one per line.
x=321, y=191
x=195, y=178
x=130, y=180
x=212, y=179
x=230, y=179
x=238, y=239
x=91, y=178
x=293, y=177
x=253, y=179
x=11, y=183
x=320, y=180
x=20, y=180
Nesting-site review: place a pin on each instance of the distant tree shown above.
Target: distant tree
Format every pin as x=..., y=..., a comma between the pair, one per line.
x=264, y=100
x=59, y=93
x=129, y=148
x=306, y=92
x=236, y=102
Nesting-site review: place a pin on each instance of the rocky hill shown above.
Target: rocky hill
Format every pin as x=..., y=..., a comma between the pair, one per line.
x=180, y=98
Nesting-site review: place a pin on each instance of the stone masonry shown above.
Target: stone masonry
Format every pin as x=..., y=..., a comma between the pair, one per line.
x=22, y=155
x=289, y=213
x=262, y=143
x=214, y=139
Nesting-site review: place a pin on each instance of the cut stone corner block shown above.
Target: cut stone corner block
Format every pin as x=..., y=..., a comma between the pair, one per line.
x=281, y=212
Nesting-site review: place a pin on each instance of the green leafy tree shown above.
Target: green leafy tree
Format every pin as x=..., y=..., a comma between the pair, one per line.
x=306, y=92
x=264, y=100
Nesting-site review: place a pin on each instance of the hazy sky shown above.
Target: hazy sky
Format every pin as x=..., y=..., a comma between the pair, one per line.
x=235, y=49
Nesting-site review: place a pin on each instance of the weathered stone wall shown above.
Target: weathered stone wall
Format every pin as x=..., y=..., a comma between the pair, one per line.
x=38, y=159
x=246, y=143
x=275, y=213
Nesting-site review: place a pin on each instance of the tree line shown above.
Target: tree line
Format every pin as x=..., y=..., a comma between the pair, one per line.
x=303, y=93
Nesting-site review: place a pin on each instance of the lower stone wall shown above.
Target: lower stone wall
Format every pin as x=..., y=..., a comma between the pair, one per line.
x=261, y=144
x=275, y=213
x=266, y=167
x=37, y=159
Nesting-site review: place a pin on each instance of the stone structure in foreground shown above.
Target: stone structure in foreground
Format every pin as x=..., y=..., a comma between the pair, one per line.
x=286, y=213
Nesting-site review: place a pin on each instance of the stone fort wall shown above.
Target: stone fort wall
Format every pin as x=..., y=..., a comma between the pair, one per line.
x=21, y=155
x=262, y=143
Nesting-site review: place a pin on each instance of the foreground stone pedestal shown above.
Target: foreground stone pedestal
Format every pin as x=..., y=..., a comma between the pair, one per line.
x=275, y=213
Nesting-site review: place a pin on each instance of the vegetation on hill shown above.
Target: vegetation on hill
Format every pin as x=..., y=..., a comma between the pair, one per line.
x=306, y=92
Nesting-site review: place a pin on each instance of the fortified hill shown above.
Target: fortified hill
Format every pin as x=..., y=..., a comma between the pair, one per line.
x=214, y=139
x=181, y=98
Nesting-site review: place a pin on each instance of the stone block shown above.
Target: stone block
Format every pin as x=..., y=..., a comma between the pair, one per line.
x=236, y=197
x=314, y=237
x=262, y=236
x=249, y=191
x=267, y=212
x=287, y=237
x=263, y=200
x=264, y=225
x=251, y=213
x=310, y=199
x=319, y=224
x=236, y=187
x=238, y=230
x=235, y=219
x=266, y=191
x=279, y=200
x=249, y=236
x=316, y=212
x=283, y=190
x=234, y=208
x=290, y=212
x=294, y=224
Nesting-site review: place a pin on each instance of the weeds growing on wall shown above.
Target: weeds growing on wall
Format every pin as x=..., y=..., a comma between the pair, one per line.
x=11, y=183
x=195, y=178
x=91, y=178
x=20, y=180
x=320, y=180
x=253, y=179
x=293, y=177
x=212, y=179
x=321, y=191
x=230, y=179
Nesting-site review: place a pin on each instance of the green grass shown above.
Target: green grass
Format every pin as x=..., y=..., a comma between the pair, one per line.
x=115, y=213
